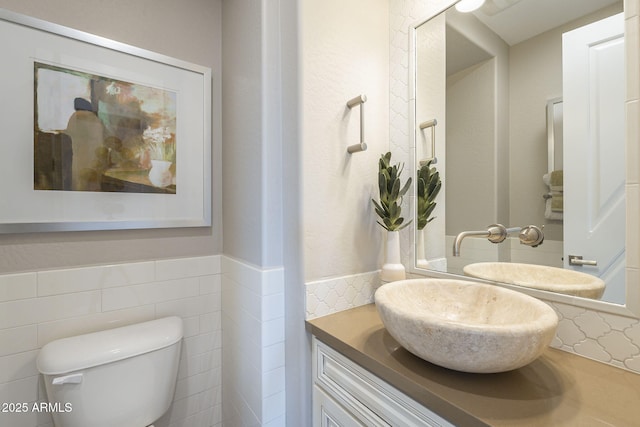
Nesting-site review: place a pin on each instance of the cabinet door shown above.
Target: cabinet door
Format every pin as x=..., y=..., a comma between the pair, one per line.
x=328, y=413
x=366, y=399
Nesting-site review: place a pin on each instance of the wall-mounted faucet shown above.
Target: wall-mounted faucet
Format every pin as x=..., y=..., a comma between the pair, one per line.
x=496, y=233
x=530, y=235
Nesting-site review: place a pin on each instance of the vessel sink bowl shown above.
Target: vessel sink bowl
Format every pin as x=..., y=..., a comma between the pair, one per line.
x=466, y=326
x=540, y=277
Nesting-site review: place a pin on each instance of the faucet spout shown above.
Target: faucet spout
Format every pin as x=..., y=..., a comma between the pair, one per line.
x=496, y=233
x=460, y=237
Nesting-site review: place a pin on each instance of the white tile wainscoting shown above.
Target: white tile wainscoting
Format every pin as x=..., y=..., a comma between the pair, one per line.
x=41, y=306
x=253, y=379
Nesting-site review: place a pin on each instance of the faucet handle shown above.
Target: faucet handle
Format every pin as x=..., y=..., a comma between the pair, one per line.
x=531, y=235
x=497, y=233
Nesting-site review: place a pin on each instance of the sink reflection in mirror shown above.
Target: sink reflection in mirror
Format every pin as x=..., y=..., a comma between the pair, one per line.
x=539, y=277
x=466, y=326
x=493, y=85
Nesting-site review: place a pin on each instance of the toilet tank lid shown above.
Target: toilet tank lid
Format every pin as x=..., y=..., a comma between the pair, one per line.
x=99, y=348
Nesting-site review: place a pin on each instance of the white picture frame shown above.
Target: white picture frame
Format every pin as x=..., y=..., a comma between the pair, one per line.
x=30, y=206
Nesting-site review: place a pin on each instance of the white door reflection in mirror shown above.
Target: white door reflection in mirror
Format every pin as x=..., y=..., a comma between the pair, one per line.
x=594, y=132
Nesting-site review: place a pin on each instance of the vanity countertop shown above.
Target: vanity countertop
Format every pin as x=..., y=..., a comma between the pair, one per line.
x=557, y=389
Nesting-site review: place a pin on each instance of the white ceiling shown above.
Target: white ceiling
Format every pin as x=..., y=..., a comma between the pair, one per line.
x=515, y=21
x=518, y=20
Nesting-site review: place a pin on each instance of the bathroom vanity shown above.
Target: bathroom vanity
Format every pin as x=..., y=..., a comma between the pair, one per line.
x=362, y=376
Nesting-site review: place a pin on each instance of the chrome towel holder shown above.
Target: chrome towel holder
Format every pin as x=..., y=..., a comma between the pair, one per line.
x=358, y=100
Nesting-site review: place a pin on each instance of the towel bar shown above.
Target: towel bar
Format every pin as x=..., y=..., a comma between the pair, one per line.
x=430, y=124
x=358, y=100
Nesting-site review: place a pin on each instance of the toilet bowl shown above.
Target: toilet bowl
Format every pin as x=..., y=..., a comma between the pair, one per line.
x=121, y=377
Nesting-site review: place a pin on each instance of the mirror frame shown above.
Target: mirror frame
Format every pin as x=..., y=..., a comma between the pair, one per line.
x=551, y=134
x=631, y=308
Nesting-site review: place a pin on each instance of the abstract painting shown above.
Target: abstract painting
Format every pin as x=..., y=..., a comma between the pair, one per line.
x=95, y=133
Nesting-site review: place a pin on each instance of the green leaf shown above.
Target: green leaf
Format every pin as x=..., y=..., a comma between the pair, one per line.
x=420, y=188
x=394, y=211
x=391, y=191
x=435, y=192
x=379, y=210
x=382, y=186
x=429, y=209
x=383, y=226
x=395, y=191
x=405, y=225
x=405, y=188
x=433, y=180
x=429, y=185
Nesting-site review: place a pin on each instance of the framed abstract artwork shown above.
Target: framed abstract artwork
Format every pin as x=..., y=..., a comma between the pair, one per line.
x=99, y=135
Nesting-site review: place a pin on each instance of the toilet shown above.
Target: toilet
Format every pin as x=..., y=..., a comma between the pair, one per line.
x=121, y=377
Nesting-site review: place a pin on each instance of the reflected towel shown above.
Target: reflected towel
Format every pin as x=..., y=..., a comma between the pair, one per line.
x=557, y=202
x=556, y=180
x=549, y=214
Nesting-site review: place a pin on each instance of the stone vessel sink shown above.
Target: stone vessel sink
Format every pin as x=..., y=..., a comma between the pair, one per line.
x=541, y=277
x=466, y=326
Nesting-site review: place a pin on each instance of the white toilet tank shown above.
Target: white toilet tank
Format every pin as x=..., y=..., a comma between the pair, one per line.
x=121, y=377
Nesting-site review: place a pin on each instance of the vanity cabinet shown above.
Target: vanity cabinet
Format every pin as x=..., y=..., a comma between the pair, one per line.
x=345, y=395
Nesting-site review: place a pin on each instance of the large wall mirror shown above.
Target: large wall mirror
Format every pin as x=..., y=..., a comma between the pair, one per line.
x=520, y=107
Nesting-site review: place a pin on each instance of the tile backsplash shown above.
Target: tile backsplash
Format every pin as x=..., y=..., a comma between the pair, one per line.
x=604, y=337
x=601, y=336
x=41, y=306
x=332, y=295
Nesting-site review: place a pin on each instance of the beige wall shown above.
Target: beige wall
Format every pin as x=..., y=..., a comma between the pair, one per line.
x=477, y=99
x=243, y=133
x=471, y=136
x=190, y=33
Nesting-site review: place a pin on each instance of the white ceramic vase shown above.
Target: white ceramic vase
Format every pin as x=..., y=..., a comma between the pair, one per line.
x=392, y=269
x=160, y=175
x=421, y=258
